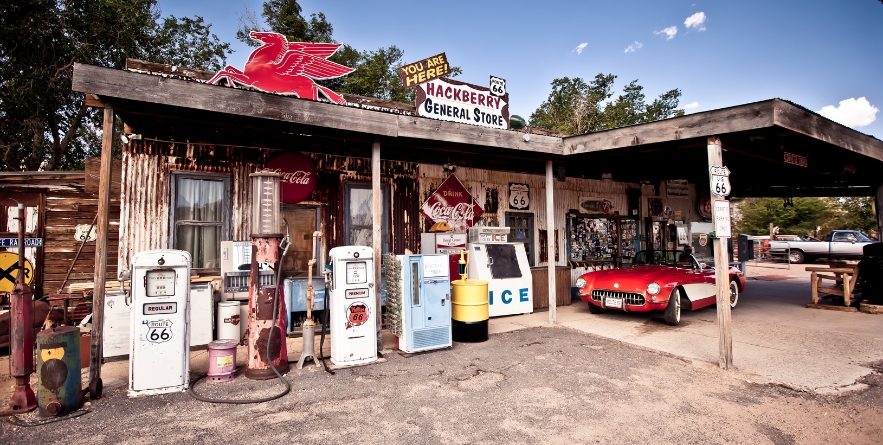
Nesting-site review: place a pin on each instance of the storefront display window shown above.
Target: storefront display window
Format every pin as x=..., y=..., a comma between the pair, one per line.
x=604, y=240
x=200, y=217
x=359, y=218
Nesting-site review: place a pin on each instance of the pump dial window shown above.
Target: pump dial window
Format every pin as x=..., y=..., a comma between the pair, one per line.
x=160, y=283
x=356, y=272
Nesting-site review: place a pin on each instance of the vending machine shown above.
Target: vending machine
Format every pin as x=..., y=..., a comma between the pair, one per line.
x=353, y=321
x=426, y=302
x=159, y=356
x=505, y=267
x=236, y=269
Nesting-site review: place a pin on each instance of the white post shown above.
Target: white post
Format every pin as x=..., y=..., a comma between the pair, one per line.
x=550, y=240
x=721, y=268
x=376, y=238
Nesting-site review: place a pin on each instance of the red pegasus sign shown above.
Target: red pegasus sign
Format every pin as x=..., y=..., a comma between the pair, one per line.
x=283, y=67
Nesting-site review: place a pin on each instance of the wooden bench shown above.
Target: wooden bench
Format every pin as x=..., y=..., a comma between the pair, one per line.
x=844, y=277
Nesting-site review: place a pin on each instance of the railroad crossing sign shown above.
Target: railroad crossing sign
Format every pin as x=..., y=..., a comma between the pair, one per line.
x=8, y=271
x=720, y=180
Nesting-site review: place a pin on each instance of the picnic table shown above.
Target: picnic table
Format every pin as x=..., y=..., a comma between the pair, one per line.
x=842, y=274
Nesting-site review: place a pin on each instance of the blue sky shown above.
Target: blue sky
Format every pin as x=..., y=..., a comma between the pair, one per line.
x=817, y=54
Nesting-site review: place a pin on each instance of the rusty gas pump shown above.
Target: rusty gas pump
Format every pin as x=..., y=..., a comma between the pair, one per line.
x=21, y=344
x=266, y=328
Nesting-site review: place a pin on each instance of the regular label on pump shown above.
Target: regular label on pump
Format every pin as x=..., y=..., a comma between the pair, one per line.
x=160, y=308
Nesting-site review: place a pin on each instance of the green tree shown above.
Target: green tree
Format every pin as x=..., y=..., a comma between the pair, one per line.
x=576, y=107
x=852, y=213
x=802, y=218
x=45, y=125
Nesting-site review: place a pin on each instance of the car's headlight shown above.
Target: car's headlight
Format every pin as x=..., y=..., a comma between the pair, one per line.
x=653, y=288
x=580, y=282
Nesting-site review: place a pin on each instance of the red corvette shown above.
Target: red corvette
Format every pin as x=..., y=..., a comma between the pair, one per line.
x=660, y=280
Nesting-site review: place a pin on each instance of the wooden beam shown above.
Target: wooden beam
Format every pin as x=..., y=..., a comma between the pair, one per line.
x=93, y=101
x=96, y=350
x=377, y=231
x=721, y=271
x=423, y=128
x=803, y=121
x=187, y=94
x=699, y=125
x=550, y=241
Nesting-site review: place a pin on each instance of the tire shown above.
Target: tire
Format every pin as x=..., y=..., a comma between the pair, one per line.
x=595, y=309
x=796, y=257
x=672, y=313
x=734, y=294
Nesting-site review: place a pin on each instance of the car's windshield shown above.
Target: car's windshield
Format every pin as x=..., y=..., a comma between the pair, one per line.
x=862, y=237
x=659, y=257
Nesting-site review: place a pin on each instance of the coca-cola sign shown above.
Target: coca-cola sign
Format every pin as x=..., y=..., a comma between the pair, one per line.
x=452, y=204
x=298, y=176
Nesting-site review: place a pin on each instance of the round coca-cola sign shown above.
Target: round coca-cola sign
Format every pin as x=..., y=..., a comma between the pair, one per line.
x=298, y=176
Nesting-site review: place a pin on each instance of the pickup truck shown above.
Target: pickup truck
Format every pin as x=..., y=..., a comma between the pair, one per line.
x=843, y=244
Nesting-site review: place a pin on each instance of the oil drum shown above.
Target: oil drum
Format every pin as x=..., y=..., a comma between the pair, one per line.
x=469, y=311
x=59, y=389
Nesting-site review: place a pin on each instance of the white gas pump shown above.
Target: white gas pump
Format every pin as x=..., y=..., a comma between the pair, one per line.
x=353, y=309
x=159, y=356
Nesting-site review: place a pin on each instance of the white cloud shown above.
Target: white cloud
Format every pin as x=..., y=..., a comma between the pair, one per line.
x=579, y=48
x=691, y=105
x=852, y=112
x=634, y=46
x=670, y=32
x=696, y=21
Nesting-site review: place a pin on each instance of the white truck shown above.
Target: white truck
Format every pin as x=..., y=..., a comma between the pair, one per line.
x=843, y=244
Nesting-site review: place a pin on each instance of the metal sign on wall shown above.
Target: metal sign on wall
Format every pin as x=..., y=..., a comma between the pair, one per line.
x=519, y=196
x=298, y=176
x=453, y=101
x=424, y=70
x=453, y=204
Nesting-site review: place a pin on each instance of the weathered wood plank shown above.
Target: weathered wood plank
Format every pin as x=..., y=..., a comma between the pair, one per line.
x=110, y=83
x=805, y=122
x=700, y=125
x=423, y=128
x=93, y=173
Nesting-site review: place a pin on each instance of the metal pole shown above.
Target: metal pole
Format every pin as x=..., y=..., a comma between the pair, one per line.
x=550, y=241
x=721, y=268
x=377, y=227
x=97, y=347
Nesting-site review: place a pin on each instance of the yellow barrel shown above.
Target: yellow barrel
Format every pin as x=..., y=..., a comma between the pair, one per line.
x=469, y=310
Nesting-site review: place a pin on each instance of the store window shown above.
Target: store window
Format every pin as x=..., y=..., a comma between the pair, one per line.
x=521, y=231
x=359, y=215
x=201, y=216
x=302, y=222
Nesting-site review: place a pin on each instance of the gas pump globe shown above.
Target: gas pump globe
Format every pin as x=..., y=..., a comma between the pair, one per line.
x=265, y=220
x=266, y=326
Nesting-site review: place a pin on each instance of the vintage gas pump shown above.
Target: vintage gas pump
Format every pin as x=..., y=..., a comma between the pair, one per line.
x=21, y=344
x=266, y=328
x=353, y=308
x=159, y=354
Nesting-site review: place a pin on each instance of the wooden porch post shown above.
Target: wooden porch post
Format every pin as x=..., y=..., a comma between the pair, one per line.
x=377, y=227
x=550, y=240
x=97, y=345
x=721, y=270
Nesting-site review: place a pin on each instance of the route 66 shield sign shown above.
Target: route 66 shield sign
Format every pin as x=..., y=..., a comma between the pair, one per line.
x=519, y=196
x=720, y=180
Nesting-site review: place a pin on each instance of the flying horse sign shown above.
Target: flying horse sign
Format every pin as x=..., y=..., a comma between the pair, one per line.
x=283, y=67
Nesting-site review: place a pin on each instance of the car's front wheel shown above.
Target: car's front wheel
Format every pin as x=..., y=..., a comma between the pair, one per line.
x=734, y=294
x=672, y=313
x=796, y=257
x=595, y=309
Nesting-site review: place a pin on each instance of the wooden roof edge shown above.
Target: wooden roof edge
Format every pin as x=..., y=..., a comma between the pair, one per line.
x=43, y=175
x=802, y=120
x=737, y=118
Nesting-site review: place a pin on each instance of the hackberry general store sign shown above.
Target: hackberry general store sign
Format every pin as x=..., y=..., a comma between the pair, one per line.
x=452, y=204
x=453, y=101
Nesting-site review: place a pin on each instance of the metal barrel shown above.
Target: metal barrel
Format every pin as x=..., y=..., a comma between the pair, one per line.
x=59, y=388
x=469, y=310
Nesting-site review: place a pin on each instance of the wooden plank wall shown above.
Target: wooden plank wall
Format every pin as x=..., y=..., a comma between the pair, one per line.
x=540, y=281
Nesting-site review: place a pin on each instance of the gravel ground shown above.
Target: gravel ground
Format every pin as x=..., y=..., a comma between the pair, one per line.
x=548, y=384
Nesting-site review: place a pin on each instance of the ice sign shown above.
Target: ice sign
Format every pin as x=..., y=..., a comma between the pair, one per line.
x=160, y=283
x=356, y=272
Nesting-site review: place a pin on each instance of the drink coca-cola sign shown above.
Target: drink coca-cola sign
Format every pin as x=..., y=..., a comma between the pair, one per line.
x=452, y=204
x=298, y=176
